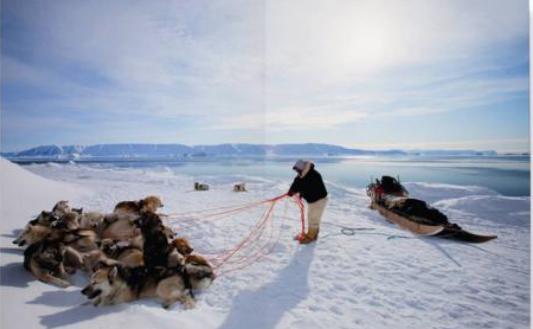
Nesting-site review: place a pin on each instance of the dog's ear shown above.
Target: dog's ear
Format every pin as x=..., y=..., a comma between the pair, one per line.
x=100, y=264
x=112, y=275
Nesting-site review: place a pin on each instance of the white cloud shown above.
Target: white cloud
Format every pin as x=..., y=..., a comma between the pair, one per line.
x=279, y=65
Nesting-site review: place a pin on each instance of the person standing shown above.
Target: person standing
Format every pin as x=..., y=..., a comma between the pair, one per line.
x=310, y=186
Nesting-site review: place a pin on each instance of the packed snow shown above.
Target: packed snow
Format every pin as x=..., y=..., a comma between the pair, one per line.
x=375, y=276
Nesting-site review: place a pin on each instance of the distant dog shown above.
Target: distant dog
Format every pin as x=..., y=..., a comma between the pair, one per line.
x=200, y=187
x=241, y=187
x=149, y=204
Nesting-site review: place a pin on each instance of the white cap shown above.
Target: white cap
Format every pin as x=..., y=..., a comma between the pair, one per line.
x=299, y=165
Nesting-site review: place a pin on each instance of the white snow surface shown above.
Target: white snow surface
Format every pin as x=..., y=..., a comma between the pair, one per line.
x=380, y=277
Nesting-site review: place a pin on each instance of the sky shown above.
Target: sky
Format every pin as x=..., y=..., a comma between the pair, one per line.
x=376, y=74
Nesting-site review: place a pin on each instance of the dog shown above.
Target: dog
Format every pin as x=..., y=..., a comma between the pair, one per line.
x=80, y=240
x=117, y=226
x=115, y=284
x=149, y=204
x=201, y=187
x=200, y=273
x=68, y=222
x=32, y=233
x=61, y=208
x=182, y=246
x=91, y=220
x=45, y=218
x=241, y=187
x=156, y=246
x=126, y=253
x=51, y=262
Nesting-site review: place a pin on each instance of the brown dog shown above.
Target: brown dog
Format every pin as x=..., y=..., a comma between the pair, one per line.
x=183, y=246
x=149, y=204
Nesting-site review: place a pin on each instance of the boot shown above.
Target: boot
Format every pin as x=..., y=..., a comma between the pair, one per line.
x=310, y=236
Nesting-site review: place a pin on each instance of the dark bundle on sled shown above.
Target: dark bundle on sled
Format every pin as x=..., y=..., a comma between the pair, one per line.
x=390, y=198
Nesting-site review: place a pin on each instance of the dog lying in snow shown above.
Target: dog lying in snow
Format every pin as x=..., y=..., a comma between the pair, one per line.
x=135, y=208
x=115, y=284
x=80, y=240
x=241, y=187
x=201, y=187
x=51, y=262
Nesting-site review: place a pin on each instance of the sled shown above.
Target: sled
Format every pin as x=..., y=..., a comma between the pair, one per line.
x=436, y=225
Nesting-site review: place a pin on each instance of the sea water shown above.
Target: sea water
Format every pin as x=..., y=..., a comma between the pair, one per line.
x=508, y=175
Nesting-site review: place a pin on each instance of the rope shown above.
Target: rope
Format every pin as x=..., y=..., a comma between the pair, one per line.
x=349, y=230
x=230, y=258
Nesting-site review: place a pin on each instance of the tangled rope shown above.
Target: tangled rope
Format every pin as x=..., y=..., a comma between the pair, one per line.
x=250, y=249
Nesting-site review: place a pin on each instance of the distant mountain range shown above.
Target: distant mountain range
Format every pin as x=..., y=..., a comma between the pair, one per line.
x=146, y=151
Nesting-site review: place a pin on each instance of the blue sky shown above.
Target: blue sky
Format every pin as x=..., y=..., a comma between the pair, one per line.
x=369, y=74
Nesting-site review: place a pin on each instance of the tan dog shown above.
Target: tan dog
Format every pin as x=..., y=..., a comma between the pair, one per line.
x=68, y=222
x=149, y=204
x=111, y=285
x=117, y=226
x=199, y=271
x=182, y=246
x=61, y=208
x=32, y=234
x=91, y=220
x=128, y=258
x=48, y=262
x=115, y=284
x=125, y=252
x=45, y=218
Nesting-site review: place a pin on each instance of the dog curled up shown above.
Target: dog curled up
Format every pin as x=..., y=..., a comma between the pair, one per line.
x=115, y=284
x=50, y=261
x=149, y=204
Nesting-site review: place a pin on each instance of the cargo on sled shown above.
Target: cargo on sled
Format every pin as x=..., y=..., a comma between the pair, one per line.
x=392, y=201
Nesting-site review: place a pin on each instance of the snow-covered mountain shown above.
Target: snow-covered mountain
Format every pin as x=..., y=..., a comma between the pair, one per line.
x=185, y=151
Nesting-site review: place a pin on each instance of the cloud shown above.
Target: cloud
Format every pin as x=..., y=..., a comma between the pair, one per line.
x=256, y=65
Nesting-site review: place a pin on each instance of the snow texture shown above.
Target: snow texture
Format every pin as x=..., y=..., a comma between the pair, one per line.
x=379, y=277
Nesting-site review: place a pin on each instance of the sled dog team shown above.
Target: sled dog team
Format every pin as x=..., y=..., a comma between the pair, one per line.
x=128, y=254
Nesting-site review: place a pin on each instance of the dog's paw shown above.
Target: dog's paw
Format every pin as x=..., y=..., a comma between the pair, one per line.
x=63, y=284
x=189, y=304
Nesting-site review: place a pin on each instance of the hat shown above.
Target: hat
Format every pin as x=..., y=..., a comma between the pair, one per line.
x=299, y=165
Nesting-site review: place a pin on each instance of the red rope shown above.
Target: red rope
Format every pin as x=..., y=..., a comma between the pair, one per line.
x=257, y=231
x=265, y=250
x=251, y=242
